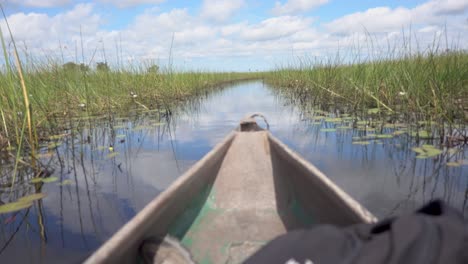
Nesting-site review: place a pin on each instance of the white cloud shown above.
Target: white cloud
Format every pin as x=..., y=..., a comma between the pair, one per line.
x=130, y=3
x=220, y=10
x=40, y=3
x=385, y=19
x=296, y=6
x=275, y=28
x=40, y=28
x=201, y=40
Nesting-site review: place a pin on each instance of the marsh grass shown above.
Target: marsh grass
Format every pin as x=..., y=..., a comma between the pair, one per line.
x=55, y=92
x=429, y=89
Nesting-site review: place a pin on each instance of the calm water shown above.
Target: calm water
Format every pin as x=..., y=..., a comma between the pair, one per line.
x=98, y=190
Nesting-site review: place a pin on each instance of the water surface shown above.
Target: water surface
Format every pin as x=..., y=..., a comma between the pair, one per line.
x=109, y=168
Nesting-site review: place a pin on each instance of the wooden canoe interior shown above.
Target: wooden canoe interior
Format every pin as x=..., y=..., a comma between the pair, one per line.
x=256, y=195
x=248, y=190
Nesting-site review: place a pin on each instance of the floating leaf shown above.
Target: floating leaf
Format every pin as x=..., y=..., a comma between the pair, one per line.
x=373, y=111
x=15, y=206
x=328, y=129
x=158, y=124
x=112, y=155
x=141, y=127
x=422, y=156
x=384, y=136
x=66, y=182
x=361, y=123
x=399, y=132
x=364, y=128
x=345, y=115
x=32, y=197
x=418, y=150
x=120, y=127
x=333, y=120
x=55, y=137
x=427, y=151
x=422, y=134
x=36, y=180
x=361, y=142
x=53, y=145
x=453, y=150
x=433, y=152
x=120, y=136
x=316, y=123
x=45, y=155
x=344, y=127
x=453, y=164
x=49, y=179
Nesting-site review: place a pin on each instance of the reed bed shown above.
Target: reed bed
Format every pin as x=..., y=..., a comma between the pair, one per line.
x=425, y=88
x=58, y=91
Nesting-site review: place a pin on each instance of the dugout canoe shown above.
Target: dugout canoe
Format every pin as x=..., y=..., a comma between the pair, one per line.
x=247, y=190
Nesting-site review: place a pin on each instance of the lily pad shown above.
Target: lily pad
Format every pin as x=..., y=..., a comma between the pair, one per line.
x=422, y=134
x=120, y=136
x=373, y=111
x=65, y=182
x=36, y=180
x=333, y=120
x=361, y=142
x=15, y=206
x=427, y=151
x=328, y=129
x=384, y=136
x=32, y=197
x=418, y=150
x=112, y=155
x=399, y=132
x=45, y=155
x=453, y=151
x=55, y=137
x=53, y=145
x=344, y=127
x=453, y=164
x=316, y=123
x=361, y=123
x=49, y=179
x=158, y=124
x=140, y=128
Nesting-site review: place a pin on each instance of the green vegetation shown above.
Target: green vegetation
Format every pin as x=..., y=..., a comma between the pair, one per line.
x=58, y=91
x=432, y=87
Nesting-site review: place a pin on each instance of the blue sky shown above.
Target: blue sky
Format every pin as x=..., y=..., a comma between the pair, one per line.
x=236, y=35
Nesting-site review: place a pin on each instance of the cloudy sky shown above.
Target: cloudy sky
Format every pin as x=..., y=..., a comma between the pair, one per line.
x=229, y=34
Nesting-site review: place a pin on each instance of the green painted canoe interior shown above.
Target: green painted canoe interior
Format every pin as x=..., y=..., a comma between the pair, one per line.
x=249, y=203
x=196, y=221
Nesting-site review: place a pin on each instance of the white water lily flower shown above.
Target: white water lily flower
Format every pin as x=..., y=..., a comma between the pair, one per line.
x=402, y=93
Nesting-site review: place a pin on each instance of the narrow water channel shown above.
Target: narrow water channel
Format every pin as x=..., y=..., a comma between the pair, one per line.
x=108, y=170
